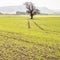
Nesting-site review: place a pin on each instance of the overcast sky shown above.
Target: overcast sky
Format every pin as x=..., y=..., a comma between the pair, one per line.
x=51, y=4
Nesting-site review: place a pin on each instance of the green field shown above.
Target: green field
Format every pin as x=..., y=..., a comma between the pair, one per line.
x=24, y=39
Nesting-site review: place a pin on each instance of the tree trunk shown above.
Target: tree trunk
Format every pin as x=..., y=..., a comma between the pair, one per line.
x=31, y=16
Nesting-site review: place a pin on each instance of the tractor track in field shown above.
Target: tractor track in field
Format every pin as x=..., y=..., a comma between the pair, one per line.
x=38, y=26
x=29, y=25
x=41, y=28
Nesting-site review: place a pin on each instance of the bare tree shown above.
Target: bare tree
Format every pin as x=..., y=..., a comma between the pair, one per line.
x=31, y=9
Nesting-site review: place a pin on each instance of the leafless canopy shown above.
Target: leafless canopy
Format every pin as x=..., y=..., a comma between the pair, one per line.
x=31, y=9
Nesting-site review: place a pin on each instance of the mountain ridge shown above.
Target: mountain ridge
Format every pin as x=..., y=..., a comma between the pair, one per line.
x=22, y=8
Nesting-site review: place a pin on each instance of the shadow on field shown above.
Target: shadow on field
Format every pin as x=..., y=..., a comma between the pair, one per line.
x=29, y=24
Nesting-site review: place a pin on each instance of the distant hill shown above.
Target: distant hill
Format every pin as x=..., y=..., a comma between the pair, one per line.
x=12, y=9
x=22, y=8
x=57, y=12
x=45, y=10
